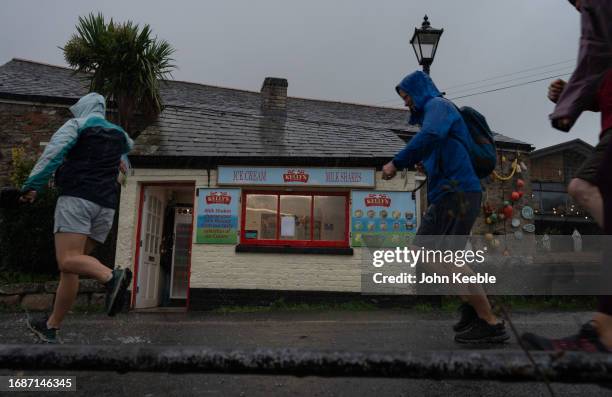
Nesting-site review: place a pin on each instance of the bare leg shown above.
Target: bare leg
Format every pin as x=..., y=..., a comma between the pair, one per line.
x=90, y=245
x=603, y=323
x=473, y=294
x=70, y=249
x=587, y=196
x=481, y=304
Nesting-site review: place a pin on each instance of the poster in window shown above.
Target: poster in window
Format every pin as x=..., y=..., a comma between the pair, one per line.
x=217, y=217
x=382, y=218
x=288, y=226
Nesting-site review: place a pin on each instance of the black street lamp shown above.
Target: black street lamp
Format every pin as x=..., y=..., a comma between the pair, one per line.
x=425, y=42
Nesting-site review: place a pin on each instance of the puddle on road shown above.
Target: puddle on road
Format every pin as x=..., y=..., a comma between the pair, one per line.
x=133, y=339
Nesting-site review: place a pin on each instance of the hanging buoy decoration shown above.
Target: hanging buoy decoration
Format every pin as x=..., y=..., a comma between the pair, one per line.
x=520, y=183
x=507, y=178
x=508, y=211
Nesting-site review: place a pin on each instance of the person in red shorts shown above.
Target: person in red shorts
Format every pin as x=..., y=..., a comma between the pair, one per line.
x=589, y=88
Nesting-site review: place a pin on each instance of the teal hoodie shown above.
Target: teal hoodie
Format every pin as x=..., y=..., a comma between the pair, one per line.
x=441, y=142
x=89, y=112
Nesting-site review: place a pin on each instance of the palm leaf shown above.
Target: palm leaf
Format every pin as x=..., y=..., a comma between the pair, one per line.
x=123, y=62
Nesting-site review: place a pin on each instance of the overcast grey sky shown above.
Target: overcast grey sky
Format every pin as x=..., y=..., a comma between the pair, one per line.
x=343, y=50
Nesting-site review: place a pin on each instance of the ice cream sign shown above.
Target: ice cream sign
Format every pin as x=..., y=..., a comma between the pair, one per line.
x=217, y=216
x=377, y=200
x=294, y=176
x=222, y=198
x=382, y=218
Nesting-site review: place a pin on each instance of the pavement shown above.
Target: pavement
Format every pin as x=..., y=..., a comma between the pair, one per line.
x=379, y=330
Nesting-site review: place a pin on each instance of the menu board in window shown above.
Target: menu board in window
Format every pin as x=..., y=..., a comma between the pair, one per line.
x=382, y=218
x=217, y=217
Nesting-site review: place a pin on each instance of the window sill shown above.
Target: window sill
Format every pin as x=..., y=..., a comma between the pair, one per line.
x=270, y=249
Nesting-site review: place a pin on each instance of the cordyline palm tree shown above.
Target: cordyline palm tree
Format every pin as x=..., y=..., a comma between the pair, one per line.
x=123, y=63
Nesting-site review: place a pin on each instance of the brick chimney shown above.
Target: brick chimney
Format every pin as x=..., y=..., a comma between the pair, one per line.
x=274, y=96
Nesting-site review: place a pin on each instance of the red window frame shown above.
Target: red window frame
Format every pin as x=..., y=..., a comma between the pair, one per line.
x=295, y=243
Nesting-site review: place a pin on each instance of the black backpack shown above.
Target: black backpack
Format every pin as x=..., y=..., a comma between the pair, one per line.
x=481, y=147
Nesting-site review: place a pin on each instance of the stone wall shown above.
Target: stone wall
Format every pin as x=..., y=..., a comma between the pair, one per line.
x=40, y=296
x=26, y=125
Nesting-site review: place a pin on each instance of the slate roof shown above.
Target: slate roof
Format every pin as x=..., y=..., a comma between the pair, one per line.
x=207, y=121
x=576, y=145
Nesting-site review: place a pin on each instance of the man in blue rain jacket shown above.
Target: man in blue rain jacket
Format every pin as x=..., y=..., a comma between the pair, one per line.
x=453, y=191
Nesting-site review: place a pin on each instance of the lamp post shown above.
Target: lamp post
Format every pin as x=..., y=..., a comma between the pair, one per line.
x=425, y=42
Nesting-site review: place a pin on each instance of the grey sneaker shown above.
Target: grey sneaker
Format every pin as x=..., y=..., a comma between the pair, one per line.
x=115, y=290
x=38, y=326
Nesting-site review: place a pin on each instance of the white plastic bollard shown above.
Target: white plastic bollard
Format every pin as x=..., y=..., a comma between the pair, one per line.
x=577, y=237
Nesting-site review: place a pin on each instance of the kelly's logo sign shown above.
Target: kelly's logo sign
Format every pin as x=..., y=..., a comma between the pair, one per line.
x=295, y=176
x=218, y=198
x=377, y=200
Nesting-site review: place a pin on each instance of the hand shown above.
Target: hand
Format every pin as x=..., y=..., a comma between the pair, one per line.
x=563, y=124
x=420, y=168
x=554, y=90
x=123, y=167
x=28, y=197
x=389, y=170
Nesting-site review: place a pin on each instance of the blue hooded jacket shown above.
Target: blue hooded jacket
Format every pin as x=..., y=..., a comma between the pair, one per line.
x=441, y=142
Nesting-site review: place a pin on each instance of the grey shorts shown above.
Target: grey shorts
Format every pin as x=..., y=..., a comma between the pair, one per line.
x=77, y=215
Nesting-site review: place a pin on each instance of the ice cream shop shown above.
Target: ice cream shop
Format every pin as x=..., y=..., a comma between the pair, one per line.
x=260, y=197
x=238, y=197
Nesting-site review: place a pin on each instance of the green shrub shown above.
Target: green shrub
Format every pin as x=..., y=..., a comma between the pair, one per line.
x=26, y=232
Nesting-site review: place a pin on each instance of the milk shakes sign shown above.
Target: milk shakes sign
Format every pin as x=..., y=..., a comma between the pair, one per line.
x=382, y=218
x=217, y=220
x=296, y=176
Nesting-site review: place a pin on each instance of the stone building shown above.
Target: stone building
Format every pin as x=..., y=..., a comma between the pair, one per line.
x=553, y=168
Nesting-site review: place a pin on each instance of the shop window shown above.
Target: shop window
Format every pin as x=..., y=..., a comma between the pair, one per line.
x=329, y=218
x=295, y=219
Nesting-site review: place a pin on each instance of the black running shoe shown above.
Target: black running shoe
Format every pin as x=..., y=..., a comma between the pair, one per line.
x=44, y=334
x=483, y=332
x=116, y=288
x=468, y=316
x=587, y=340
